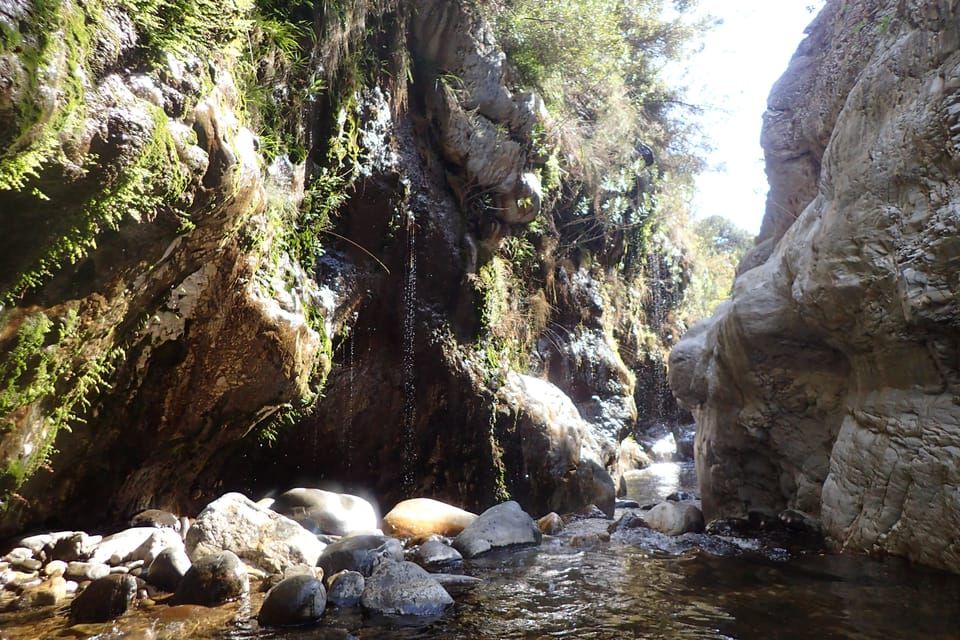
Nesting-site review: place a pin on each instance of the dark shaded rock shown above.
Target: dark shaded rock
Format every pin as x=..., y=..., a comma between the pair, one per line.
x=156, y=518
x=297, y=600
x=680, y=496
x=213, y=580
x=434, y=553
x=623, y=503
x=73, y=547
x=359, y=553
x=168, y=569
x=456, y=584
x=589, y=539
x=403, y=588
x=346, y=588
x=628, y=521
x=105, y=599
x=799, y=521
x=504, y=525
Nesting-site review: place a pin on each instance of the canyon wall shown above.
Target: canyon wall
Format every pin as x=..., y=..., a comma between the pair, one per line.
x=255, y=245
x=829, y=382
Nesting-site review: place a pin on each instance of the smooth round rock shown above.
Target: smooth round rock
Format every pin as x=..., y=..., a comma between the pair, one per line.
x=55, y=568
x=675, y=518
x=346, y=588
x=359, y=553
x=423, y=517
x=322, y=511
x=294, y=601
x=86, y=571
x=404, y=588
x=168, y=569
x=504, y=525
x=156, y=518
x=105, y=599
x=213, y=580
x=434, y=553
x=550, y=524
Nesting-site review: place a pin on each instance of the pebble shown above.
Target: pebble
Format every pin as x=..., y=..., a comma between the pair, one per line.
x=86, y=570
x=55, y=568
x=346, y=587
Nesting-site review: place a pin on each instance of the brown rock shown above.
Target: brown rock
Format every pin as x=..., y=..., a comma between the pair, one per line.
x=550, y=524
x=423, y=517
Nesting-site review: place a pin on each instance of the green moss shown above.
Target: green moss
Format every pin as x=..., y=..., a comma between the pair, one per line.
x=46, y=365
x=156, y=179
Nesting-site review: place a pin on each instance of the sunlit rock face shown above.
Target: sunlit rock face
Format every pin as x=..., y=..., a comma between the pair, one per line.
x=830, y=382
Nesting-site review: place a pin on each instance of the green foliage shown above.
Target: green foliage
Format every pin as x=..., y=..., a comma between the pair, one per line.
x=716, y=247
x=155, y=180
x=46, y=364
x=180, y=26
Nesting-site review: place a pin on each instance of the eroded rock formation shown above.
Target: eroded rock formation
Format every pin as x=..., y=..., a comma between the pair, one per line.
x=829, y=382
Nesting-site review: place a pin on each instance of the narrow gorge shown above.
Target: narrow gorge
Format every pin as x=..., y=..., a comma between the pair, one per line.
x=372, y=318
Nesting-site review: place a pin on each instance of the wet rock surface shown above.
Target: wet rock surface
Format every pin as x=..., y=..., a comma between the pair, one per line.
x=256, y=534
x=104, y=599
x=346, y=587
x=168, y=569
x=212, y=580
x=505, y=525
x=361, y=553
x=404, y=588
x=295, y=601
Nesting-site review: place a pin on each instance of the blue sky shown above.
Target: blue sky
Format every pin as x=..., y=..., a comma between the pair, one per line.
x=732, y=76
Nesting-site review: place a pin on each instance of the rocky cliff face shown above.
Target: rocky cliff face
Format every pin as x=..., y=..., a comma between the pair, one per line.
x=228, y=264
x=829, y=382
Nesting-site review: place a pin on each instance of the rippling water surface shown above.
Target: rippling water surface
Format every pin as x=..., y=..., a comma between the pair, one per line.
x=638, y=585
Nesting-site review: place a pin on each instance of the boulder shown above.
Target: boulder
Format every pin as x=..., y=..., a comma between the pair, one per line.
x=168, y=568
x=213, y=580
x=327, y=512
x=675, y=518
x=563, y=458
x=77, y=546
x=434, y=553
x=504, y=525
x=550, y=524
x=86, y=570
x=346, y=588
x=423, y=517
x=157, y=519
x=260, y=536
x=123, y=546
x=359, y=553
x=105, y=599
x=297, y=600
x=404, y=588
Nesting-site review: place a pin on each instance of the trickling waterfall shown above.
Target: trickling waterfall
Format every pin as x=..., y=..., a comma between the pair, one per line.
x=346, y=443
x=408, y=448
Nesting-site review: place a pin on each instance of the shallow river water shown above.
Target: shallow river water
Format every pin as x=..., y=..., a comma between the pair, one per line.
x=637, y=585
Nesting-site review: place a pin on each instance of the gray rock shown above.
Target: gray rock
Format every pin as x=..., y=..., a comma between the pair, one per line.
x=105, y=599
x=563, y=455
x=456, y=584
x=297, y=600
x=86, y=570
x=120, y=547
x=829, y=382
x=359, y=553
x=157, y=519
x=260, y=536
x=434, y=553
x=322, y=511
x=505, y=525
x=76, y=546
x=675, y=518
x=213, y=580
x=403, y=588
x=168, y=568
x=346, y=588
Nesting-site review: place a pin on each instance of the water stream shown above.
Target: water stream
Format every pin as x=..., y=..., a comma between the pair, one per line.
x=631, y=587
